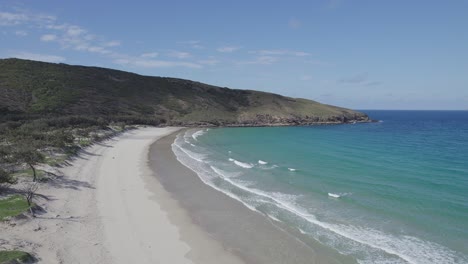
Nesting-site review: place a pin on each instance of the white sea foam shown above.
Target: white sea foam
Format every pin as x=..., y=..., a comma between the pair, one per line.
x=193, y=155
x=183, y=158
x=242, y=164
x=225, y=174
x=196, y=156
x=198, y=133
x=334, y=195
x=268, y=167
x=274, y=218
x=187, y=135
x=291, y=169
x=262, y=162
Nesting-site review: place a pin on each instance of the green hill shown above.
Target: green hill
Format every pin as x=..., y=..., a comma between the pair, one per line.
x=31, y=88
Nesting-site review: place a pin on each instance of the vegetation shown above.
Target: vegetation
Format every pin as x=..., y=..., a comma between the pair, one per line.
x=15, y=257
x=6, y=178
x=26, y=143
x=81, y=95
x=13, y=206
x=27, y=153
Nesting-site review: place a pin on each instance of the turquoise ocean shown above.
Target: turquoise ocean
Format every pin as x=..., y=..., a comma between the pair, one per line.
x=394, y=191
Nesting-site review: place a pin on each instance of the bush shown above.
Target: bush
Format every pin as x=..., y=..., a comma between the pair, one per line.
x=15, y=256
x=6, y=178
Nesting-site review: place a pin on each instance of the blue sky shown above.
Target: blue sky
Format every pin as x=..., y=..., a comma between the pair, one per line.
x=357, y=54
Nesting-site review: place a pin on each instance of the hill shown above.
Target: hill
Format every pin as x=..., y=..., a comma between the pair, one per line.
x=30, y=89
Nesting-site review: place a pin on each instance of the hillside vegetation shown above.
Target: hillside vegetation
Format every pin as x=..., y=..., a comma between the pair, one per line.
x=31, y=89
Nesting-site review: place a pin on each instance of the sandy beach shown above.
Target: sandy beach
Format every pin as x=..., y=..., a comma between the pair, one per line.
x=107, y=207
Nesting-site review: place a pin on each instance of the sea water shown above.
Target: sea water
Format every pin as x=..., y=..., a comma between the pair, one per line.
x=394, y=191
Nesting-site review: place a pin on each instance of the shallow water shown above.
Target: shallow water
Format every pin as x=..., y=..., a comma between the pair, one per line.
x=395, y=191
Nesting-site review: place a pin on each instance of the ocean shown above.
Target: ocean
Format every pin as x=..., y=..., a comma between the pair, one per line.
x=394, y=191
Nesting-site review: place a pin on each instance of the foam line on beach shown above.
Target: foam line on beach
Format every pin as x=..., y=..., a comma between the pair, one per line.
x=241, y=164
x=198, y=134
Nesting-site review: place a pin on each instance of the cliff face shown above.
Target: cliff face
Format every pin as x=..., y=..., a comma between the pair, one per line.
x=38, y=88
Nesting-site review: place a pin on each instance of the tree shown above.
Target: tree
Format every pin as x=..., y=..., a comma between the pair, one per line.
x=23, y=152
x=27, y=153
x=29, y=191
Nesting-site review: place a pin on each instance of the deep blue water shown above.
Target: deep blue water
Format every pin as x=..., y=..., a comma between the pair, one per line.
x=402, y=183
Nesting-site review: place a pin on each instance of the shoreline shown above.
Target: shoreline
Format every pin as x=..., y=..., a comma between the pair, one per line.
x=248, y=234
x=135, y=210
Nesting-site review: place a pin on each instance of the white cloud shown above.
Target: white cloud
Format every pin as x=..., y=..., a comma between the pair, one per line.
x=75, y=37
x=78, y=38
x=179, y=54
x=148, y=63
x=208, y=62
x=21, y=33
x=57, y=26
x=306, y=78
x=281, y=53
x=97, y=49
x=294, y=23
x=113, y=43
x=228, y=49
x=7, y=19
x=265, y=60
x=149, y=55
x=39, y=57
x=196, y=44
x=11, y=19
x=48, y=37
x=74, y=31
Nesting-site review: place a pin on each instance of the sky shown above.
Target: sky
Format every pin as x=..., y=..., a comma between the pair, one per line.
x=359, y=54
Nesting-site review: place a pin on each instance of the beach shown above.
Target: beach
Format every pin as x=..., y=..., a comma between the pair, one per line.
x=107, y=207
x=248, y=234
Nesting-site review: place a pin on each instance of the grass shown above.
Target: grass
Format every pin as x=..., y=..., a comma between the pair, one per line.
x=14, y=256
x=12, y=206
x=84, y=142
x=55, y=161
x=28, y=172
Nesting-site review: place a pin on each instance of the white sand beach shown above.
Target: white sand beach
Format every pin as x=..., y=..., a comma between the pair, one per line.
x=108, y=208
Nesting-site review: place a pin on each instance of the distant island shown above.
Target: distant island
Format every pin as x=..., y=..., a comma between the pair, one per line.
x=30, y=89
